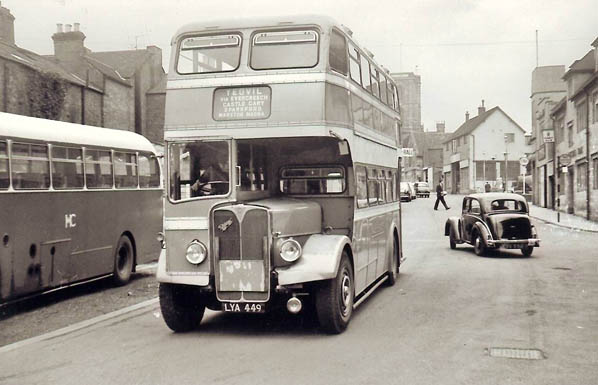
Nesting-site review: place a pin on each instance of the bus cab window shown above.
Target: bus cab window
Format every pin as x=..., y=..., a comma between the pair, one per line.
x=30, y=166
x=198, y=169
x=4, y=180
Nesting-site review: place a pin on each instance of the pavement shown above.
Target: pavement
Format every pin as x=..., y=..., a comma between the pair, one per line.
x=569, y=221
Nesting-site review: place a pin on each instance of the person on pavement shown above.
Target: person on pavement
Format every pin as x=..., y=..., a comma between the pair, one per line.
x=440, y=195
x=487, y=187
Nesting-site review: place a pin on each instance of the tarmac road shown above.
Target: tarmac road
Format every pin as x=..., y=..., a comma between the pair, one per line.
x=448, y=320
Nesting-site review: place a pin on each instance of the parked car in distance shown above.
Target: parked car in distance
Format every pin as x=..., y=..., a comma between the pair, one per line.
x=422, y=189
x=412, y=190
x=492, y=221
x=405, y=192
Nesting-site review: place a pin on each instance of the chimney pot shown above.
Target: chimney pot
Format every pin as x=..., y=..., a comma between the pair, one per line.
x=59, y=28
x=67, y=27
x=466, y=116
x=78, y=24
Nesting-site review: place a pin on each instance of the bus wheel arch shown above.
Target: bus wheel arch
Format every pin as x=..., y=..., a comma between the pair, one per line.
x=124, y=258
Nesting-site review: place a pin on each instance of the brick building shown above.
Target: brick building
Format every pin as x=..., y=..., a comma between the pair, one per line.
x=108, y=89
x=575, y=123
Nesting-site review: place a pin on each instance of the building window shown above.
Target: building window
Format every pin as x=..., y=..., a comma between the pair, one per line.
x=581, y=172
x=570, y=132
x=595, y=173
x=582, y=116
x=595, y=98
x=559, y=130
x=509, y=137
x=454, y=145
x=465, y=139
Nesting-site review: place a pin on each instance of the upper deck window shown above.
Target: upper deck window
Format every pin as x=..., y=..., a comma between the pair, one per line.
x=284, y=49
x=209, y=54
x=338, y=53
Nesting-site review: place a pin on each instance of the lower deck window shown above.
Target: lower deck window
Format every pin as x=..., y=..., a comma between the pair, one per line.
x=4, y=179
x=312, y=180
x=30, y=166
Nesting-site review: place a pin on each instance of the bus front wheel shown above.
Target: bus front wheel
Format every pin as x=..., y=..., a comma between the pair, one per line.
x=181, y=306
x=334, y=299
x=123, y=260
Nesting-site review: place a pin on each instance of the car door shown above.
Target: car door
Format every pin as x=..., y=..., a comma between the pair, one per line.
x=471, y=214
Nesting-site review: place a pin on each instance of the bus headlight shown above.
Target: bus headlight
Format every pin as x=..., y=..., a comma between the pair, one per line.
x=196, y=252
x=290, y=250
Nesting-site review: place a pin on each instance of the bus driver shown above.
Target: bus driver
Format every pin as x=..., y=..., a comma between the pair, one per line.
x=213, y=179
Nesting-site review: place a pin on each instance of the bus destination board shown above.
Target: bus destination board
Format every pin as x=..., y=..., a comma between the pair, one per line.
x=240, y=103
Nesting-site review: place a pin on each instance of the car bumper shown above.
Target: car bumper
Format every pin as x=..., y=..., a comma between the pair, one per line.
x=513, y=243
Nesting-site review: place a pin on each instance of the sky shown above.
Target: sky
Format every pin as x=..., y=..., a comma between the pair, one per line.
x=464, y=50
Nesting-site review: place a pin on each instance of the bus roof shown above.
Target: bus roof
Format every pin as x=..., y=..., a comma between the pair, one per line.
x=25, y=127
x=254, y=22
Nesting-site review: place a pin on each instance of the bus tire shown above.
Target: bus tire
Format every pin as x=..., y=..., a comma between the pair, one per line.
x=123, y=260
x=181, y=306
x=334, y=299
x=393, y=271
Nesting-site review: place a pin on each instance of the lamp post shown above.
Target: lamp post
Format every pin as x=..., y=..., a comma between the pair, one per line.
x=506, y=164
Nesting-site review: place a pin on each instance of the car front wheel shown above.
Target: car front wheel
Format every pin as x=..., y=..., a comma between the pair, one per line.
x=479, y=247
x=527, y=251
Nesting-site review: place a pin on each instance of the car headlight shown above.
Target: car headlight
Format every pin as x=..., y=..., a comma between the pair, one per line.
x=290, y=250
x=196, y=252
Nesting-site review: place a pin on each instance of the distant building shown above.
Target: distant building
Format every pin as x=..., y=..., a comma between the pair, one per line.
x=409, y=90
x=548, y=88
x=576, y=123
x=485, y=148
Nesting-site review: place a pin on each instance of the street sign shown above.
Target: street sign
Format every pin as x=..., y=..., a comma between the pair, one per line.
x=523, y=161
x=565, y=159
x=548, y=136
x=406, y=152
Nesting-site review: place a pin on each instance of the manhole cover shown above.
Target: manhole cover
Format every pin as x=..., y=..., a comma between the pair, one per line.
x=521, y=354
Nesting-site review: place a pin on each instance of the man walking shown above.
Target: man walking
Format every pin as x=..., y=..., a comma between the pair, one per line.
x=440, y=195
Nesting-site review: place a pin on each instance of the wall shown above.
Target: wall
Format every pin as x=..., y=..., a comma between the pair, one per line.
x=118, y=106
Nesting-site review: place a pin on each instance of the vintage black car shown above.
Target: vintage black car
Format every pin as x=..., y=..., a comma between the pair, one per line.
x=491, y=221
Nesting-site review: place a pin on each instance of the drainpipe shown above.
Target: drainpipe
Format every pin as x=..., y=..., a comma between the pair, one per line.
x=555, y=171
x=589, y=163
x=473, y=161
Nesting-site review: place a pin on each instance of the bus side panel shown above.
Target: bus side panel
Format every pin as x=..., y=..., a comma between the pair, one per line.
x=56, y=238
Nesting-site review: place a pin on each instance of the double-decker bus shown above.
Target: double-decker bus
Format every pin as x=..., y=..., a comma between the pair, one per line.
x=282, y=142
x=76, y=203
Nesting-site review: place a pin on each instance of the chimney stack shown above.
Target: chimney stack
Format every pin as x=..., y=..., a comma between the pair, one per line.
x=481, y=109
x=440, y=127
x=7, y=25
x=68, y=44
x=466, y=116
